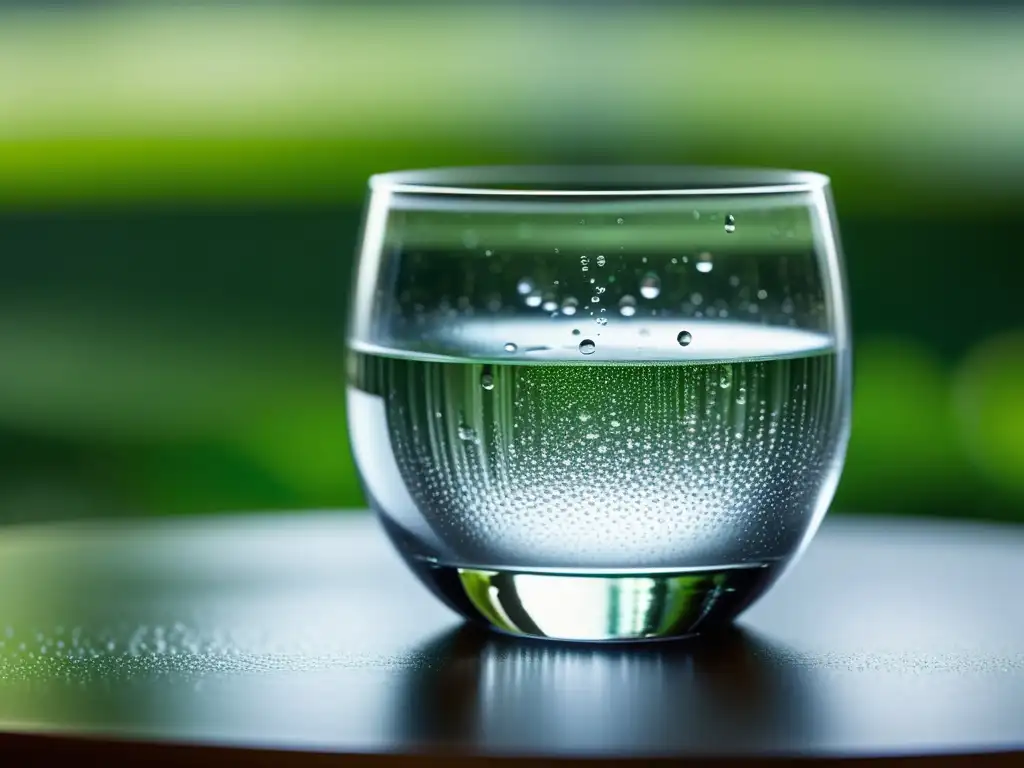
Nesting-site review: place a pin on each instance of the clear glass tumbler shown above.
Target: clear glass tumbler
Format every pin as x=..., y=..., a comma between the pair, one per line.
x=599, y=403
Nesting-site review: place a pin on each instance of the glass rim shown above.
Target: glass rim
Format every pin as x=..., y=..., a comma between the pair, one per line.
x=598, y=181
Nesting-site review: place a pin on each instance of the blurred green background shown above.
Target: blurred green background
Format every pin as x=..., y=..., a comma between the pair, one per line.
x=181, y=187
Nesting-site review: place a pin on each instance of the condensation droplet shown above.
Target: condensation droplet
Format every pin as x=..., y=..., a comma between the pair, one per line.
x=650, y=286
x=730, y=223
x=741, y=396
x=726, y=379
x=533, y=299
x=524, y=286
x=684, y=338
x=584, y=417
x=575, y=331
x=510, y=347
x=569, y=305
x=467, y=434
x=627, y=306
x=600, y=260
x=487, y=381
x=587, y=347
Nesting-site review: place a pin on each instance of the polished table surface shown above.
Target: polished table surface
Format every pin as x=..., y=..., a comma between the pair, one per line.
x=245, y=635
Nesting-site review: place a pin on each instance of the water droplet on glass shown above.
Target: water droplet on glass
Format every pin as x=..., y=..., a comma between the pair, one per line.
x=619, y=220
x=650, y=286
x=487, y=381
x=615, y=423
x=684, y=338
x=524, y=286
x=533, y=299
x=734, y=280
x=787, y=306
x=510, y=347
x=550, y=304
x=741, y=396
x=569, y=305
x=595, y=299
x=726, y=380
x=627, y=306
x=696, y=215
x=730, y=223
x=762, y=294
x=575, y=331
x=696, y=299
x=584, y=417
x=468, y=434
x=600, y=260
x=587, y=347
x=704, y=263
x=601, y=321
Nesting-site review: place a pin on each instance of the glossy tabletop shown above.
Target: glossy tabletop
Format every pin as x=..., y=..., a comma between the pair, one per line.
x=244, y=635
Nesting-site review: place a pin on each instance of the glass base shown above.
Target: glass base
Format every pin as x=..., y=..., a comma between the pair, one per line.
x=605, y=606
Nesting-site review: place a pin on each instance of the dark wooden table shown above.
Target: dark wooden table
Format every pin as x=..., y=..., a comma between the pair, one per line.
x=300, y=637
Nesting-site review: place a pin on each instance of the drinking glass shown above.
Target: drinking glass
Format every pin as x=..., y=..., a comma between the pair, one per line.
x=599, y=403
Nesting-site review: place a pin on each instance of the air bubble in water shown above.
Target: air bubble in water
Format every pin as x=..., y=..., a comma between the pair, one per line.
x=524, y=286
x=510, y=347
x=684, y=338
x=487, y=381
x=650, y=286
x=704, y=263
x=569, y=305
x=533, y=299
x=730, y=223
x=587, y=347
x=627, y=306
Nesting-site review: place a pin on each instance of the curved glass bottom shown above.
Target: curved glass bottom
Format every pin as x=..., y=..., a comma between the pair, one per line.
x=620, y=606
